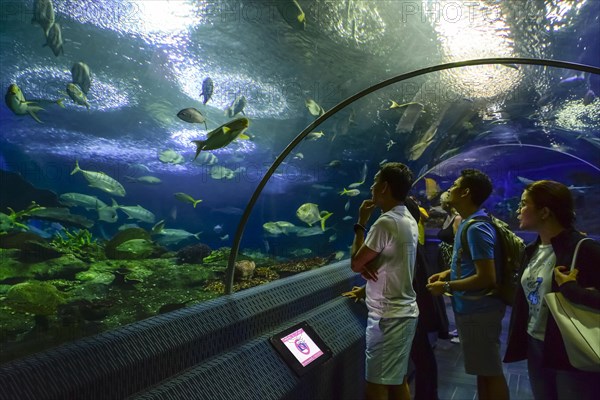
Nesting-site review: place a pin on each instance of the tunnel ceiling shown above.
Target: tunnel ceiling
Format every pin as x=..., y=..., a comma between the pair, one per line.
x=148, y=58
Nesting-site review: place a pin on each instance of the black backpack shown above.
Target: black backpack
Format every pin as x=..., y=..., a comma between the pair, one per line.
x=511, y=248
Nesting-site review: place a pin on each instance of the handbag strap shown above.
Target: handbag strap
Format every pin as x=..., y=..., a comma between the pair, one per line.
x=577, y=251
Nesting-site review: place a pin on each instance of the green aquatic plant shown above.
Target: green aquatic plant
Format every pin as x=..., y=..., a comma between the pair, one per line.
x=13, y=220
x=78, y=242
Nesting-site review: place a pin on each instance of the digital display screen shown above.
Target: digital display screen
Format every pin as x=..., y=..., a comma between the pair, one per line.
x=302, y=347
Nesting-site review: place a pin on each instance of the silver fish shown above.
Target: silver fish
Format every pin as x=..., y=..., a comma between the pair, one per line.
x=236, y=107
x=101, y=181
x=43, y=14
x=136, y=212
x=192, y=116
x=207, y=90
x=80, y=74
x=54, y=39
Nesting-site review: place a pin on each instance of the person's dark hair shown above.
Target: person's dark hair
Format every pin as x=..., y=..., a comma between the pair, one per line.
x=479, y=184
x=556, y=197
x=399, y=177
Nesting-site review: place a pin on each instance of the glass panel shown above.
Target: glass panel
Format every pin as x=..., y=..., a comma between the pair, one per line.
x=128, y=223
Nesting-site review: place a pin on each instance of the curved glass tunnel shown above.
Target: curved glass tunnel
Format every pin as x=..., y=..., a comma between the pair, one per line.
x=105, y=265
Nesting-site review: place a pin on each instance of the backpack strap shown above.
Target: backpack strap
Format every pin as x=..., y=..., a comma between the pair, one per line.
x=464, y=245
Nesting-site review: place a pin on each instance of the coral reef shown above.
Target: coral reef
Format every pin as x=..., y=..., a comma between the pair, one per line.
x=193, y=254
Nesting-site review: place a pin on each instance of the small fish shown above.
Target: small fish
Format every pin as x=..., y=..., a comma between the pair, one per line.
x=80, y=74
x=218, y=229
x=220, y=172
x=277, y=228
x=100, y=181
x=77, y=95
x=334, y=164
x=292, y=13
x=409, y=117
x=332, y=238
x=192, y=116
x=347, y=218
x=170, y=157
x=223, y=135
x=207, y=90
x=298, y=156
x=147, y=179
x=314, y=108
x=573, y=81
x=347, y=206
x=43, y=14
x=54, y=39
x=389, y=144
x=236, y=107
x=81, y=200
x=338, y=255
x=350, y=193
x=314, y=135
x=224, y=237
x=321, y=187
x=589, y=97
x=207, y=158
x=431, y=188
x=186, y=198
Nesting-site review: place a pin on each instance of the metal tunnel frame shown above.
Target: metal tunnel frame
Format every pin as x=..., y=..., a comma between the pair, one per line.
x=483, y=61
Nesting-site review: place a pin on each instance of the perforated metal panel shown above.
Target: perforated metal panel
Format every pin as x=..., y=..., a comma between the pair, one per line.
x=132, y=358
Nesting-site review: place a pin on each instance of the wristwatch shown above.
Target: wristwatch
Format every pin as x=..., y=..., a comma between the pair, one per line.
x=359, y=226
x=447, y=287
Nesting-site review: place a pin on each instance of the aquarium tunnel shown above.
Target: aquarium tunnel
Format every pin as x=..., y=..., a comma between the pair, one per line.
x=180, y=179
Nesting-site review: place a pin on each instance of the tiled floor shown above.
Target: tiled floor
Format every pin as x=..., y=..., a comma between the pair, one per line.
x=454, y=384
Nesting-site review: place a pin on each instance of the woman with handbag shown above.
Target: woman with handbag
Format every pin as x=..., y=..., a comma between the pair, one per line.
x=547, y=208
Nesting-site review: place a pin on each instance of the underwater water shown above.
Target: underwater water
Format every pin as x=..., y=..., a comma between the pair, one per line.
x=127, y=224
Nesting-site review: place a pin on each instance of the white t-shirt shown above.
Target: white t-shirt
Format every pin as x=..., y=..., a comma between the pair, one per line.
x=536, y=282
x=394, y=236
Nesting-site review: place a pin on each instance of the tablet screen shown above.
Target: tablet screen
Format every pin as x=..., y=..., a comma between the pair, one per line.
x=302, y=347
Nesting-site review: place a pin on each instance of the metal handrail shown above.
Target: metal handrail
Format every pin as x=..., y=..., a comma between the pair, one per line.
x=484, y=61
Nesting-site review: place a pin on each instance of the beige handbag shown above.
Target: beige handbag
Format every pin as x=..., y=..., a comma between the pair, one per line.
x=579, y=327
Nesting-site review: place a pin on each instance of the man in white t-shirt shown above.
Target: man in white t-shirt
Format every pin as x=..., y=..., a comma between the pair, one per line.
x=386, y=258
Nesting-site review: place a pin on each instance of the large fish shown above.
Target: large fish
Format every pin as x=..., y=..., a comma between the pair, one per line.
x=101, y=181
x=80, y=74
x=43, y=14
x=81, y=200
x=207, y=90
x=136, y=212
x=409, y=118
x=54, y=39
x=223, y=135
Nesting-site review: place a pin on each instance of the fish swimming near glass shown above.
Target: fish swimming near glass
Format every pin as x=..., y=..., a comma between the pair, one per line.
x=192, y=116
x=43, y=14
x=138, y=212
x=54, y=39
x=15, y=100
x=223, y=135
x=80, y=74
x=100, y=181
x=207, y=90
